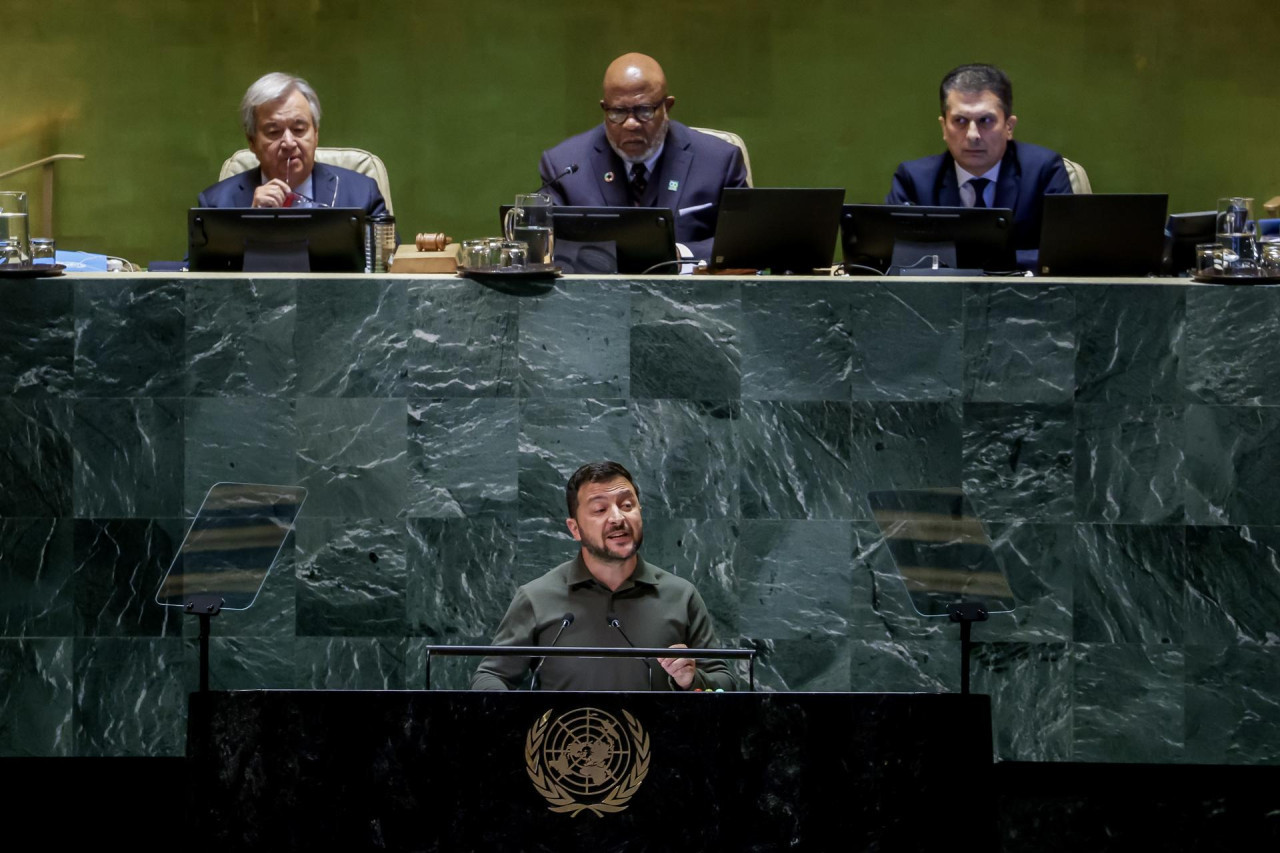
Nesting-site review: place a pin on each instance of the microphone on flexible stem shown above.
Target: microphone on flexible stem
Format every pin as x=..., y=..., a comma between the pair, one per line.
x=565, y=623
x=564, y=173
x=612, y=621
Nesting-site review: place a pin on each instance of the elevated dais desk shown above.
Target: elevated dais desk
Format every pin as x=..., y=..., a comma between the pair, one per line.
x=459, y=771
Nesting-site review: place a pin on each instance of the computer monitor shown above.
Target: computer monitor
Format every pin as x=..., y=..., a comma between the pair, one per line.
x=781, y=229
x=305, y=239
x=905, y=239
x=628, y=240
x=1113, y=234
x=1182, y=233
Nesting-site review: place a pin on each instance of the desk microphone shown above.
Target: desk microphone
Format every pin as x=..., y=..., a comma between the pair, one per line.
x=564, y=623
x=612, y=621
x=564, y=173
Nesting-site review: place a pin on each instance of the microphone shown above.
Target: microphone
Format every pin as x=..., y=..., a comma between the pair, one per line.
x=564, y=173
x=612, y=621
x=564, y=623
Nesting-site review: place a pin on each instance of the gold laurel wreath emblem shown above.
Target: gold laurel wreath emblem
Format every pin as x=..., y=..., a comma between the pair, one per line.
x=560, y=799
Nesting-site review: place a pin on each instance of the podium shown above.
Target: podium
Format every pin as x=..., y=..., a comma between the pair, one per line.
x=495, y=771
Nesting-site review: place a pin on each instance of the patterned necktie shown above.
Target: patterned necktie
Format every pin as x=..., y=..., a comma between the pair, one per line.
x=979, y=188
x=639, y=180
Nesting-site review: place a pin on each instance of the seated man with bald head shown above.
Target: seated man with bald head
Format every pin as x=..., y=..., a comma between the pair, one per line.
x=280, y=114
x=640, y=157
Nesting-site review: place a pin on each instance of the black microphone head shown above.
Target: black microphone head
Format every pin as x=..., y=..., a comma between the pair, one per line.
x=572, y=167
x=568, y=620
x=612, y=620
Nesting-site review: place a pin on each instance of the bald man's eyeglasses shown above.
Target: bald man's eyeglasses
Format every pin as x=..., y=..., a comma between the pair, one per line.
x=642, y=113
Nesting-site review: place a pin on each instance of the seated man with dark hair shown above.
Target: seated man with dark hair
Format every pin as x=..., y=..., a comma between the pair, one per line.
x=281, y=119
x=983, y=166
x=640, y=157
x=606, y=582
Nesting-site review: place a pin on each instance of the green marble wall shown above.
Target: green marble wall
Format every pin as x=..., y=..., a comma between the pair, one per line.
x=460, y=98
x=1119, y=440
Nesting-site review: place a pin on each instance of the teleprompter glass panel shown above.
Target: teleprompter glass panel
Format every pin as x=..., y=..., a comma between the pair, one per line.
x=232, y=544
x=941, y=551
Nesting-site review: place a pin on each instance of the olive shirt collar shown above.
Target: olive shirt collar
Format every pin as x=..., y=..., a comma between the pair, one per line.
x=580, y=575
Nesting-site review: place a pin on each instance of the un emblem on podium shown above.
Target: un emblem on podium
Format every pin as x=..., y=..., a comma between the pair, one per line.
x=586, y=760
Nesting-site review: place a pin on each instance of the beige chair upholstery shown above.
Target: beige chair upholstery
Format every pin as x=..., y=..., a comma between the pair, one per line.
x=355, y=159
x=1079, y=178
x=732, y=139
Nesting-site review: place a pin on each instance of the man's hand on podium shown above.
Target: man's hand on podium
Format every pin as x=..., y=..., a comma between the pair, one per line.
x=681, y=670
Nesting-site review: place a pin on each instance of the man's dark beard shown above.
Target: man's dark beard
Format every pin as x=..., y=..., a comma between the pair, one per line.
x=601, y=553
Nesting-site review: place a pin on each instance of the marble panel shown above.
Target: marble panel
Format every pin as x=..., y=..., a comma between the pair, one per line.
x=35, y=706
x=1233, y=586
x=1130, y=464
x=245, y=663
x=574, y=341
x=1040, y=562
x=904, y=666
x=351, y=663
x=1232, y=452
x=903, y=446
x=813, y=664
x=882, y=614
x=462, y=340
x=352, y=457
x=1129, y=342
x=542, y=544
x=685, y=453
x=1222, y=362
x=684, y=340
x=351, y=577
x=1019, y=343
x=128, y=458
x=119, y=564
x=1129, y=703
x=1030, y=685
x=795, y=460
x=130, y=696
x=448, y=672
x=130, y=338
x=37, y=339
x=36, y=589
x=796, y=341
x=461, y=575
x=463, y=457
x=908, y=341
x=1130, y=582
x=559, y=436
x=704, y=552
x=1018, y=461
x=1233, y=705
x=237, y=440
x=794, y=580
x=36, y=462
x=351, y=338
x=240, y=338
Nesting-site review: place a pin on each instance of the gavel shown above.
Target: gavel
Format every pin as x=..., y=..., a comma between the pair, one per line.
x=432, y=242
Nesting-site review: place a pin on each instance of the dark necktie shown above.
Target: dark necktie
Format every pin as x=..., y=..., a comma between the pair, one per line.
x=979, y=188
x=639, y=180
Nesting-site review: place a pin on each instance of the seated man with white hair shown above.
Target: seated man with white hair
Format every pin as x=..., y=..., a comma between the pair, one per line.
x=281, y=118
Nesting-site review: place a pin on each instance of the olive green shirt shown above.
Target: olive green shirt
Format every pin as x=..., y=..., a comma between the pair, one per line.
x=655, y=608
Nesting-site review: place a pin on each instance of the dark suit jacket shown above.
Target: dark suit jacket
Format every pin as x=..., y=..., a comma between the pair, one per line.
x=352, y=189
x=1027, y=173
x=694, y=167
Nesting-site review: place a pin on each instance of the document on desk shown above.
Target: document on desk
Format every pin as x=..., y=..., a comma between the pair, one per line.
x=695, y=208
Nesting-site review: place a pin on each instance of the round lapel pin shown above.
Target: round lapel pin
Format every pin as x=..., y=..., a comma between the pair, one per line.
x=608, y=177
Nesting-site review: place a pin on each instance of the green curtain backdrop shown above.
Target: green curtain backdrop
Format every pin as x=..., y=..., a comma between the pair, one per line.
x=460, y=98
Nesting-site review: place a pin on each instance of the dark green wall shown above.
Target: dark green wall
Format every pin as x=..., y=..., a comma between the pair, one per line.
x=460, y=98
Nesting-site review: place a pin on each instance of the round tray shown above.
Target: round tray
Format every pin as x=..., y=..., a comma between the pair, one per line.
x=527, y=271
x=30, y=270
x=1236, y=279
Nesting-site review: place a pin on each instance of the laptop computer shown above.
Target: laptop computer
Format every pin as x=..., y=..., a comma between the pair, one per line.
x=604, y=240
x=784, y=230
x=1120, y=234
x=905, y=238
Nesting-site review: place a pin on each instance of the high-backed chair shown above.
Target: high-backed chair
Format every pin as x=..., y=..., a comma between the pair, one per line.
x=732, y=139
x=355, y=159
x=1079, y=178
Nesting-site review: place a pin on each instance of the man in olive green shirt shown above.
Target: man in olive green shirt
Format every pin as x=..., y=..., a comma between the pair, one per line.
x=606, y=582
